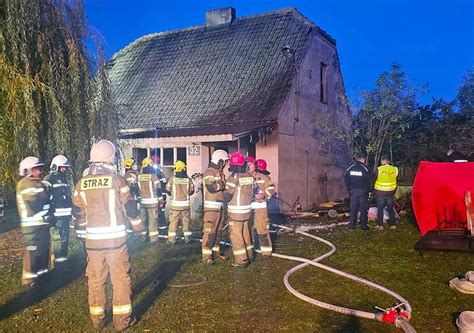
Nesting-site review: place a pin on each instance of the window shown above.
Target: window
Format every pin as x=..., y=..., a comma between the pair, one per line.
x=168, y=156
x=139, y=154
x=181, y=154
x=324, y=83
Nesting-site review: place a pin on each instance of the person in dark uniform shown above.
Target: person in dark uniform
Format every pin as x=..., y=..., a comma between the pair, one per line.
x=455, y=156
x=359, y=183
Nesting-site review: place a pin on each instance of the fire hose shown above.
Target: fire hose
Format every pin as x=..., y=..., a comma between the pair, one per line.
x=398, y=315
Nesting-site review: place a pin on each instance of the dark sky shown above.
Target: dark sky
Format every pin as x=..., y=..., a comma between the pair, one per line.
x=432, y=40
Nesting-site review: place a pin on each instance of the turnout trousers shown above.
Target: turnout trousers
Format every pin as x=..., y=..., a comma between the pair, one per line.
x=175, y=216
x=212, y=233
x=36, y=255
x=60, y=238
x=101, y=263
x=149, y=216
x=241, y=241
x=262, y=225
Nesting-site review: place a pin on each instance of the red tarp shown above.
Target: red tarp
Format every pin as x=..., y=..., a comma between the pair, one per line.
x=438, y=193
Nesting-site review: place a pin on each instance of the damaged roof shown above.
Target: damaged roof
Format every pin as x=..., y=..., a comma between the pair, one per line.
x=223, y=77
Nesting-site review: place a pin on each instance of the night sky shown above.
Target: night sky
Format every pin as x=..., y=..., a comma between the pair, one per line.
x=432, y=40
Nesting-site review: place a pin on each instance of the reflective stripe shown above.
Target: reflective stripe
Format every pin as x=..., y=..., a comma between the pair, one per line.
x=259, y=204
x=216, y=248
x=28, y=275
x=260, y=181
x=60, y=259
x=149, y=200
x=31, y=248
x=124, y=189
x=60, y=185
x=188, y=233
x=32, y=224
x=107, y=236
x=178, y=203
x=31, y=190
x=163, y=180
x=122, y=309
x=171, y=234
x=266, y=248
x=143, y=232
x=62, y=211
x=43, y=271
x=239, y=209
x=113, y=217
x=153, y=233
x=83, y=196
x=135, y=222
x=164, y=227
x=96, y=310
x=230, y=184
x=239, y=252
x=102, y=230
x=106, y=232
x=249, y=247
x=267, y=191
x=213, y=204
x=206, y=251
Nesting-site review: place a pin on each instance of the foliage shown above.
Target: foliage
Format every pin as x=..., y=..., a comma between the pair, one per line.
x=48, y=95
x=385, y=113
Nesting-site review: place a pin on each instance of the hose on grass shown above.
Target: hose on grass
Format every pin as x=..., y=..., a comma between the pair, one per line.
x=390, y=315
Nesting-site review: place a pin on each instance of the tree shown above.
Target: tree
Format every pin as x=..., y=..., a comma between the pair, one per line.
x=384, y=114
x=48, y=92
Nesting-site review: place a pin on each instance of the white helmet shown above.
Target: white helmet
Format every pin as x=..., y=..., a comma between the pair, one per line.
x=219, y=157
x=27, y=164
x=103, y=151
x=59, y=161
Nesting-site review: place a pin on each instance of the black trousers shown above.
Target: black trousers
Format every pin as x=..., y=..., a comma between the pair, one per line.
x=359, y=203
x=382, y=202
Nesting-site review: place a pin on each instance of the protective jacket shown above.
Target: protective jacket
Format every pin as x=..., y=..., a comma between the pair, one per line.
x=213, y=188
x=105, y=228
x=131, y=177
x=180, y=187
x=263, y=185
x=358, y=177
x=33, y=202
x=149, y=186
x=239, y=187
x=386, y=182
x=60, y=194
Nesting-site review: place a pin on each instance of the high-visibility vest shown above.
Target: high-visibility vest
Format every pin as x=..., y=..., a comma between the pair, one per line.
x=387, y=178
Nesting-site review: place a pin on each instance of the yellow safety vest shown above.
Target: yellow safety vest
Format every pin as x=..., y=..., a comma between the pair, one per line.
x=387, y=178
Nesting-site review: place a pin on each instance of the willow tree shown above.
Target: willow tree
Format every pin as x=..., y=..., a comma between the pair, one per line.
x=48, y=91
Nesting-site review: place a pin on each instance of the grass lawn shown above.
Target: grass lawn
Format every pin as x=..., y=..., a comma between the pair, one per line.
x=222, y=298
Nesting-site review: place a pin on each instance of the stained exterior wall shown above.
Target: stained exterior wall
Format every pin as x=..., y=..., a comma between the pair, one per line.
x=307, y=168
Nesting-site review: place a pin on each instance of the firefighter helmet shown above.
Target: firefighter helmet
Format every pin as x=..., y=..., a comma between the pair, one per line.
x=29, y=163
x=128, y=163
x=59, y=161
x=146, y=162
x=85, y=172
x=219, y=157
x=261, y=165
x=179, y=166
x=155, y=159
x=237, y=159
x=250, y=159
x=103, y=151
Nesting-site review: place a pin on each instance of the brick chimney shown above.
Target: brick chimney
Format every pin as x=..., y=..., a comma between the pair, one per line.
x=220, y=16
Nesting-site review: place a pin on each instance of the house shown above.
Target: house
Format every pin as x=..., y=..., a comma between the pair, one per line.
x=254, y=84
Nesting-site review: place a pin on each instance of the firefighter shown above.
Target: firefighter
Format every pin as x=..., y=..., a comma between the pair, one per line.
x=359, y=183
x=34, y=208
x=238, y=193
x=80, y=225
x=62, y=206
x=213, y=192
x=179, y=187
x=150, y=199
x=385, y=187
x=162, y=225
x=263, y=191
x=131, y=171
x=100, y=199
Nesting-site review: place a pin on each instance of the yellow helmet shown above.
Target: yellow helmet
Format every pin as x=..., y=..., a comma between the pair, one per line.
x=147, y=162
x=179, y=166
x=128, y=163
